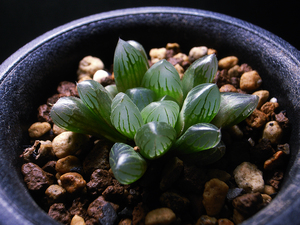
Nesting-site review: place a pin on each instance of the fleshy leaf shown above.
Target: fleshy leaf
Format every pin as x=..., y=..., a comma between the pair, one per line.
x=139, y=47
x=96, y=98
x=112, y=90
x=200, y=106
x=162, y=111
x=205, y=157
x=163, y=79
x=141, y=97
x=203, y=70
x=129, y=66
x=154, y=139
x=125, y=115
x=234, y=108
x=71, y=114
x=126, y=164
x=197, y=138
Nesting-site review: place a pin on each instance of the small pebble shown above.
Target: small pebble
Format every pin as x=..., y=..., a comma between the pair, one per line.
x=269, y=190
x=89, y=65
x=224, y=221
x=39, y=129
x=197, y=52
x=228, y=88
x=250, y=81
x=66, y=164
x=273, y=132
x=206, y=220
x=57, y=130
x=263, y=96
x=248, y=177
x=248, y=204
x=160, y=216
x=55, y=193
x=72, y=182
x=214, y=196
x=157, y=54
x=77, y=220
x=35, y=178
x=110, y=216
x=99, y=75
x=67, y=143
x=228, y=62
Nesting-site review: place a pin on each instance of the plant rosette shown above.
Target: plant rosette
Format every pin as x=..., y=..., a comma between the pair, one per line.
x=151, y=113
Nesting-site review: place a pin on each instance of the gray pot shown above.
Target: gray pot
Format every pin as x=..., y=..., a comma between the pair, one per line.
x=30, y=75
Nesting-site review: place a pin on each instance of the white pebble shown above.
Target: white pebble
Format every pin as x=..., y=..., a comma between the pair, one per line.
x=274, y=100
x=248, y=177
x=99, y=75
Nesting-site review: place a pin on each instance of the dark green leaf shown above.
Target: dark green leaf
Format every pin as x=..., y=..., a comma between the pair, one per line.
x=129, y=66
x=154, y=139
x=141, y=97
x=162, y=111
x=96, y=98
x=70, y=113
x=139, y=47
x=126, y=164
x=125, y=115
x=200, y=106
x=112, y=90
x=197, y=138
x=163, y=79
x=234, y=108
x=203, y=70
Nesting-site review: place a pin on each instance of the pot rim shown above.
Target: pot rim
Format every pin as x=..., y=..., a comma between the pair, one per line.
x=21, y=53
x=10, y=63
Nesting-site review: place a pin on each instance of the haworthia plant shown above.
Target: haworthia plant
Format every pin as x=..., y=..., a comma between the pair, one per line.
x=152, y=109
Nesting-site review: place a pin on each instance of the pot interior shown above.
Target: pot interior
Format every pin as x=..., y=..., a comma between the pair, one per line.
x=36, y=69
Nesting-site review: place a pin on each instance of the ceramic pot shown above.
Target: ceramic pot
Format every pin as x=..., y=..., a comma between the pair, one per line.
x=29, y=76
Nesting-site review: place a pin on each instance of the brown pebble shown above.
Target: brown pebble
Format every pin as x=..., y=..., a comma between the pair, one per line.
x=225, y=221
x=55, y=193
x=66, y=164
x=250, y=81
x=160, y=216
x=39, y=129
x=214, y=196
x=228, y=88
x=35, y=178
x=228, y=62
x=206, y=220
x=72, y=182
x=248, y=204
x=59, y=213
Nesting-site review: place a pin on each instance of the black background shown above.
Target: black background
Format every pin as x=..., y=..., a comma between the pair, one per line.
x=23, y=20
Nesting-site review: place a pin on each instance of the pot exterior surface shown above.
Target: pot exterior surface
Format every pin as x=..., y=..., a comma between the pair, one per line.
x=34, y=71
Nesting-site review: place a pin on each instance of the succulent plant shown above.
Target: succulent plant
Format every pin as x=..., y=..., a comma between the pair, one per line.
x=153, y=109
